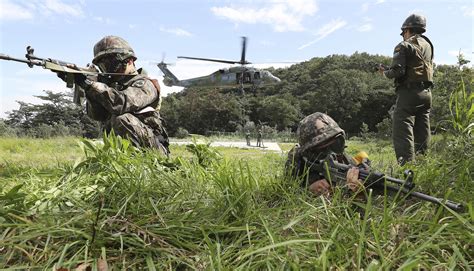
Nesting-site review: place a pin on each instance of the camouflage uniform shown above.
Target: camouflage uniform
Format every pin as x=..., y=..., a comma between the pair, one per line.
x=318, y=135
x=247, y=138
x=128, y=105
x=412, y=69
x=259, y=139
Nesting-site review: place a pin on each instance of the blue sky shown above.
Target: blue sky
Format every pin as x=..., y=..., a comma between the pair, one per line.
x=277, y=30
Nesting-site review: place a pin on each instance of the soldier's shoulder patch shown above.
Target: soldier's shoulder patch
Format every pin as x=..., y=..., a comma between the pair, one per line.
x=139, y=83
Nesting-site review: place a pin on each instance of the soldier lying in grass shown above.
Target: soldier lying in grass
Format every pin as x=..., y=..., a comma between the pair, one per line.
x=319, y=136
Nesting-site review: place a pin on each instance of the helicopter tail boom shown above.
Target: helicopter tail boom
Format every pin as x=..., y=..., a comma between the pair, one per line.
x=169, y=79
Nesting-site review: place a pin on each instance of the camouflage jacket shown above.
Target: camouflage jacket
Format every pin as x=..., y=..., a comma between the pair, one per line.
x=412, y=61
x=134, y=95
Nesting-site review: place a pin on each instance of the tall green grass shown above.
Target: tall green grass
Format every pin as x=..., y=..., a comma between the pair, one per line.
x=219, y=209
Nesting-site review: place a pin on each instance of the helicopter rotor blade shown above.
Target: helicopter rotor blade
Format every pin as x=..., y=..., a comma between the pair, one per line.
x=210, y=59
x=163, y=55
x=244, y=48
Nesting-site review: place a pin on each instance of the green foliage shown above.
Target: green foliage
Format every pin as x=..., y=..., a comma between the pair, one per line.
x=345, y=87
x=181, y=133
x=6, y=130
x=200, y=111
x=384, y=128
x=461, y=105
x=135, y=209
x=204, y=153
x=364, y=131
x=57, y=116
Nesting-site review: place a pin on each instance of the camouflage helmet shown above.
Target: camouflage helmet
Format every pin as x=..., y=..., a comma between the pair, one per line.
x=317, y=129
x=112, y=45
x=415, y=21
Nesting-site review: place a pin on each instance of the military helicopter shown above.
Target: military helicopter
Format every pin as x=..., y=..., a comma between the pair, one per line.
x=236, y=76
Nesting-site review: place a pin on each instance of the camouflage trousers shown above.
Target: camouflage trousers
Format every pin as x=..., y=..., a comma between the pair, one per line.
x=411, y=122
x=143, y=130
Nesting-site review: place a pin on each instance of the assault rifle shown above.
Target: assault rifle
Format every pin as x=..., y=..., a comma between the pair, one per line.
x=72, y=73
x=374, y=66
x=335, y=172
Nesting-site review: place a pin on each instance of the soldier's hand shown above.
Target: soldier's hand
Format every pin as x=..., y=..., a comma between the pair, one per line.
x=381, y=69
x=82, y=80
x=320, y=187
x=352, y=180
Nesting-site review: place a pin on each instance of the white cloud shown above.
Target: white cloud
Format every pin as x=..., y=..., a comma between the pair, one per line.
x=379, y=2
x=365, y=27
x=365, y=7
x=176, y=31
x=103, y=20
x=467, y=11
x=325, y=30
x=10, y=11
x=58, y=7
x=32, y=9
x=282, y=15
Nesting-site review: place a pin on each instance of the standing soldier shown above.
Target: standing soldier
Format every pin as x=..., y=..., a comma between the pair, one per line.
x=259, y=138
x=412, y=69
x=247, y=138
x=128, y=102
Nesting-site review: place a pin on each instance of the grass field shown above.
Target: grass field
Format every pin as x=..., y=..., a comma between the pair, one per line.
x=67, y=204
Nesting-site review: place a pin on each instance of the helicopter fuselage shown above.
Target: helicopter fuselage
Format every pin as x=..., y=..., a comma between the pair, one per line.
x=223, y=78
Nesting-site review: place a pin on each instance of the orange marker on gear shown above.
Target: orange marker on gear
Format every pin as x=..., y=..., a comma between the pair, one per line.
x=361, y=157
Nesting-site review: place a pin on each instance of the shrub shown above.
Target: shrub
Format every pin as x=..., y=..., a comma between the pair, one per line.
x=6, y=130
x=384, y=128
x=181, y=133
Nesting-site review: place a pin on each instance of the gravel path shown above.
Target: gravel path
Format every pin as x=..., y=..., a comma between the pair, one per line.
x=268, y=146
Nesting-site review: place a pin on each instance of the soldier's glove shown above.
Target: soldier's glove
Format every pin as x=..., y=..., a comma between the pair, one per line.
x=79, y=79
x=352, y=180
x=82, y=81
x=321, y=187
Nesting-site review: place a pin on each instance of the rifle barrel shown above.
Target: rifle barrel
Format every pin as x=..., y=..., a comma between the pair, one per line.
x=450, y=204
x=29, y=62
x=380, y=180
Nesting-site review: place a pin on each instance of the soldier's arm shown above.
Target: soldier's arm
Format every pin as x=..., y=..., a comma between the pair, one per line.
x=96, y=111
x=139, y=95
x=398, y=66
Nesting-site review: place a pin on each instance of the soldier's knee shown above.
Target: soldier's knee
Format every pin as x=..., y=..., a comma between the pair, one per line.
x=123, y=121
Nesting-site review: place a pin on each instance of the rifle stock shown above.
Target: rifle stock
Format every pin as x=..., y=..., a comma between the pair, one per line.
x=336, y=172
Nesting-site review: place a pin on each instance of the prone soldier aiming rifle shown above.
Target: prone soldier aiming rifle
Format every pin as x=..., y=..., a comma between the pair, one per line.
x=320, y=162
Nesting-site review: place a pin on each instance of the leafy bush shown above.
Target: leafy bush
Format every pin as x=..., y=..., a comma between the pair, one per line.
x=181, y=133
x=461, y=105
x=6, y=130
x=384, y=128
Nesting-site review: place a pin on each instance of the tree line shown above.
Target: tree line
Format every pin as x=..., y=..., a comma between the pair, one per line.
x=348, y=88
